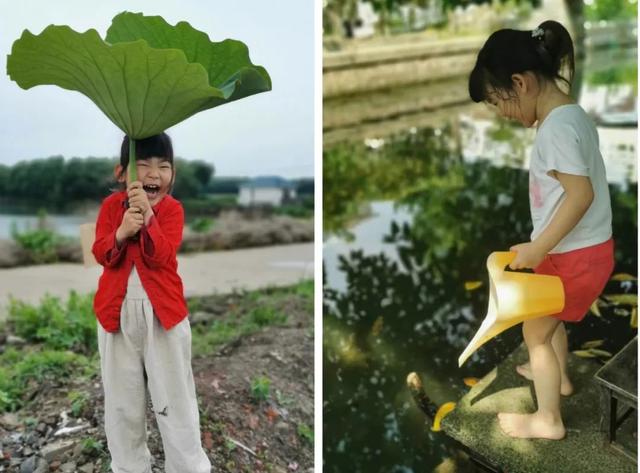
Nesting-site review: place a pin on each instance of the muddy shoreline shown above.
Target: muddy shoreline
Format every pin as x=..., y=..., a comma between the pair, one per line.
x=231, y=231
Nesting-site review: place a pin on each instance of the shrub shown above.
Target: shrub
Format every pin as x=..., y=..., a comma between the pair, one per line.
x=202, y=224
x=305, y=432
x=265, y=315
x=20, y=368
x=69, y=328
x=260, y=387
x=40, y=244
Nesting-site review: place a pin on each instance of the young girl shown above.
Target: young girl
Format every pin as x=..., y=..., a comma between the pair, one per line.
x=144, y=336
x=519, y=72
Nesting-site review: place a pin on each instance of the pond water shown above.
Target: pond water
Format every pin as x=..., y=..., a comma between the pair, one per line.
x=66, y=225
x=409, y=218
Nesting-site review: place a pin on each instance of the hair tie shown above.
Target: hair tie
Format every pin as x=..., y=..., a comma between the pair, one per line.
x=537, y=33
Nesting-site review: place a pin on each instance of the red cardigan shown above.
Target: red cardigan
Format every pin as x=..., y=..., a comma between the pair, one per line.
x=154, y=256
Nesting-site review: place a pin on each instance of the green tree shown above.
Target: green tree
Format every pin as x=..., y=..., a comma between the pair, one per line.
x=36, y=180
x=202, y=171
x=225, y=185
x=611, y=10
x=187, y=184
x=4, y=178
x=87, y=178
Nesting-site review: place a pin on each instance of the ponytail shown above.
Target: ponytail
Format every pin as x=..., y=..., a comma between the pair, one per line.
x=547, y=51
x=557, y=43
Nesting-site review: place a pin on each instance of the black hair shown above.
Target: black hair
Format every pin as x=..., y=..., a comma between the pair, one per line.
x=545, y=51
x=156, y=146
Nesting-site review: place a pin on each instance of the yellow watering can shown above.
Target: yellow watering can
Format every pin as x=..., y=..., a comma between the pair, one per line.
x=513, y=298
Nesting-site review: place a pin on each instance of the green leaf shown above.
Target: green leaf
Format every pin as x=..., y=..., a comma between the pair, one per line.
x=592, y=344
x=623, y=277
x=602, y=353
x=227, y=62
x=595, y=310
x=584, y=353
x=142, y=89
x=623, y=299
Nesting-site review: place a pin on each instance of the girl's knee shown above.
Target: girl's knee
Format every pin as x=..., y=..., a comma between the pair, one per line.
x=533, y=339
x=537, y=333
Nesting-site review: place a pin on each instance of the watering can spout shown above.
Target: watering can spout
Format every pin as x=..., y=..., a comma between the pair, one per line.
x=513, y=298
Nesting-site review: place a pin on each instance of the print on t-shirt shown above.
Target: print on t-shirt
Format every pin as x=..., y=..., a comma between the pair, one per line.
x=534, y=192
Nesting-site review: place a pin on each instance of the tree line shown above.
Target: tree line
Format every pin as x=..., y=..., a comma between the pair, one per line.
x=55, y=182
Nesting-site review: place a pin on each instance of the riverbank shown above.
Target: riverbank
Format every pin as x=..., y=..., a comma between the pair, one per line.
x=231, y=231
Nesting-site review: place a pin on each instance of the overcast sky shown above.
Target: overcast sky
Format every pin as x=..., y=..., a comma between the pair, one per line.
x=268, y=133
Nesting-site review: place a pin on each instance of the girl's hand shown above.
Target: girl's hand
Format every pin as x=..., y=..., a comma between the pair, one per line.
x=528, y=255
x=132, y=221
x=138, y=197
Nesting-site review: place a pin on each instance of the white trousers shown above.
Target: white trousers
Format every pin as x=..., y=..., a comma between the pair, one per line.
x=143, y=345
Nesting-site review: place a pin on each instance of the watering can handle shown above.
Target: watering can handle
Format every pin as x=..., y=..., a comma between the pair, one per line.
x=510, y=256
x=500, y=259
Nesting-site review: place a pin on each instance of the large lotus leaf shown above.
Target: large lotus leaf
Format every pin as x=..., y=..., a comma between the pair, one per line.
x=227, y=62
x=143, y=90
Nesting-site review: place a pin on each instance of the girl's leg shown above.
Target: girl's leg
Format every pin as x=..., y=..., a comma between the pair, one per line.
x=546, y=422
x=560, y=347
x=124, y=395
x=173, y=394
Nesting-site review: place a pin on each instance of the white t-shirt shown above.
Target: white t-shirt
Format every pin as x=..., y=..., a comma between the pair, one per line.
x=567, y=141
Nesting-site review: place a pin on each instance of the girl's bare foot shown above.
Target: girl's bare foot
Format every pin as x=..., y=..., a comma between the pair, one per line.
x=566, y=388
x=530, y=426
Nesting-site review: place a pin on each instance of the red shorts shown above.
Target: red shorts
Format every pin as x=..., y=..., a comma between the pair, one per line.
x=584, y=273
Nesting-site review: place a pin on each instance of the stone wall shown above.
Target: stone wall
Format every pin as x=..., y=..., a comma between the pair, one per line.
x=397, y=64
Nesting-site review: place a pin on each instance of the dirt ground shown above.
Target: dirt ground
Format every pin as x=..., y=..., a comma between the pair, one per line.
x=239, y=432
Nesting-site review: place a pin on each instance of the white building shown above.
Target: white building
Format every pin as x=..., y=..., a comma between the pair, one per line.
x=367, y=19
x=266, y=190
x=419, y=18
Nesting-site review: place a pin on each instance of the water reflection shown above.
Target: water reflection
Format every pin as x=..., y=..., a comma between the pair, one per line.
x=402, y=305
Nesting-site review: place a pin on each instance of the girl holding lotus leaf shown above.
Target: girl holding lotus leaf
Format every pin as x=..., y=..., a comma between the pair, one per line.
x=146, y=77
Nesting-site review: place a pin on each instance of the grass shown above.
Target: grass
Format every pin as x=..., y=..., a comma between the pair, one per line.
x=266, y=315
x=62, y=343
x=57, y=325
x=260, y=388
x=206, y=339
x=92, y=447
x=304, y=289
x=305, y=432
x=20, y=370
x=79, y=401
x=249, y=312
x=202, y=224
x=40, y=244
x=62, y=338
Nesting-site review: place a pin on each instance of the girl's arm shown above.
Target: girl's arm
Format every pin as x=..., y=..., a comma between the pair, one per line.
x=105, y=247
x=579, y=195
x=160, y=240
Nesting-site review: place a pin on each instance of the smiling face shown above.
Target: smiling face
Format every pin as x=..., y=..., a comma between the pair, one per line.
x=156, y=175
